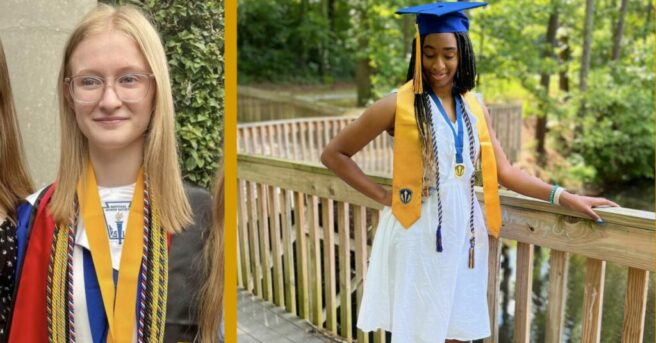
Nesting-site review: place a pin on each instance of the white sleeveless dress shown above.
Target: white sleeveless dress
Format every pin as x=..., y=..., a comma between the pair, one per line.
x=417, y=293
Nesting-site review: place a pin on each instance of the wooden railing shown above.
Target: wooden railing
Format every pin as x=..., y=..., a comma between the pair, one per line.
x=304, y=139
x=262, y=105
x=304, y=240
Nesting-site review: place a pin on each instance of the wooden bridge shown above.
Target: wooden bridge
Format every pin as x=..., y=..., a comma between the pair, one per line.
x=305, y=236
x=284, y=125
x=299, y=225
x=256, y=105
x=261, y=321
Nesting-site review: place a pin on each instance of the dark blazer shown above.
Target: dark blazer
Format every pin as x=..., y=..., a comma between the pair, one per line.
x=185, y=269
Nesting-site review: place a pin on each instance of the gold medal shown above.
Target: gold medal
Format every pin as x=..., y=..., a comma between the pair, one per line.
x=460, y=169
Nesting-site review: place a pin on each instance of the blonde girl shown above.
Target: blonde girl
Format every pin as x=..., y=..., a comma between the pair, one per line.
x=94, y=268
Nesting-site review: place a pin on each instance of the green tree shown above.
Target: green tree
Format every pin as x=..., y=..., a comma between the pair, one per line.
x=294, y=41
x=599, y=123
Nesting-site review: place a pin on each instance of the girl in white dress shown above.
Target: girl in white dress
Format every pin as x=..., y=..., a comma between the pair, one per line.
x=427, y=280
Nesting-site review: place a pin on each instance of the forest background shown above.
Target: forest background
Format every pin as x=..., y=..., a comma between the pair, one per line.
x=583, y=70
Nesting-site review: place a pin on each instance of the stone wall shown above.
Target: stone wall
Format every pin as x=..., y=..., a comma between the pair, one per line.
x=33, y=34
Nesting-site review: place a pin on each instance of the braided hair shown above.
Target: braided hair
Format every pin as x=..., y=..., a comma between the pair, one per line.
x=463, y=82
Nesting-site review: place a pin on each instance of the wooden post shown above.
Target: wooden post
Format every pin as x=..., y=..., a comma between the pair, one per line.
x=265, y=249
x=360, y=227
x=240, y=276
x=241, y=142
x=288, y=251
x=302, y=134
x=493, y=287
x=248, y=142
x=526, y=221
x=293, y=129
x=315, y=152
x=301, y=256
x=346, y=320
x=276, y=246
x=557, y=295
x=280, y=147
x=244, y=251
x=328, y=224
x=259, y=139
x=523, y=291
x=288, y=148
x=270, y=137
x=253, y=237
x=593, y=296
x=319, y=130
x=315, y=263
x=379, y=336
x=326, y=133
x=635, y=305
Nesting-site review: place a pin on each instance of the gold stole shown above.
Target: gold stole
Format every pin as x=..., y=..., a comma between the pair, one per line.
x=408, y=171
x=120, y=303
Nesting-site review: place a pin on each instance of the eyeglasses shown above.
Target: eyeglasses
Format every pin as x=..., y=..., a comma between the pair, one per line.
x=131, y=87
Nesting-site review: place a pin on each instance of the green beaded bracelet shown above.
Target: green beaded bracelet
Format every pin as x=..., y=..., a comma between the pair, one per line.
x=552, y=193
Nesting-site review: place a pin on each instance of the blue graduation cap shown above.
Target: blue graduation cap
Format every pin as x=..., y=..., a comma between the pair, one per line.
x=438, y=17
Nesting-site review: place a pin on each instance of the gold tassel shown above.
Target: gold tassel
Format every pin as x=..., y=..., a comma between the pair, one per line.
x=417, y=78
x=471, y=257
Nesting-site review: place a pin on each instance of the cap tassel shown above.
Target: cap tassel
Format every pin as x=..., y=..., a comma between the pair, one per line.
x=438, y=238
x=417, y=78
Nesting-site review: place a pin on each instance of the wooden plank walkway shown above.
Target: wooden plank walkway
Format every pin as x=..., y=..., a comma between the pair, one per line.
x=261, y=321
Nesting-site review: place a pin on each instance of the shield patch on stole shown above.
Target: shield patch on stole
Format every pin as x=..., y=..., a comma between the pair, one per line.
x=405, y=195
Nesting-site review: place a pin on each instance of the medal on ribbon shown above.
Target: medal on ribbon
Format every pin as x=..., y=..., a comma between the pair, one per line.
x=460, y=169
x=458, y=138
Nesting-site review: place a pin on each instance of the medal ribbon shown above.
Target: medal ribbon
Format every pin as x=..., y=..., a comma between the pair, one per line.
x=119, y=300
x=459, y=137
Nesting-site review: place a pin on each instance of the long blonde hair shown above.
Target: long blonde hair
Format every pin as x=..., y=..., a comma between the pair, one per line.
x=15, y=181
x=160, y=155
x=210, y=297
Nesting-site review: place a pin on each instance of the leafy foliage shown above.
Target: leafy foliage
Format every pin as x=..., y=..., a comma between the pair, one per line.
x=293, y=41
x=388, y=43
x=617, y=132
x=192, y=34
x=605, y=131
